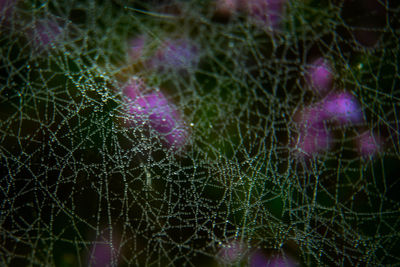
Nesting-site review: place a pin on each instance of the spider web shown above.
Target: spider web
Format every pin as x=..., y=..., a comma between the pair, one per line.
x=86, y=181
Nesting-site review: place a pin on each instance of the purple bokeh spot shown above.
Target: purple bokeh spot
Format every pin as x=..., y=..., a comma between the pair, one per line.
x=136, y=47
x=265, y=12
x=180, y=54
x=134, y=88
x=6, y=10
x=368, y=144
x=45, y=33
x=101, y=255
x=339, y=108
x=313, y=136
x=155, y=109
x=258, y=259
x=281, y=262
x=319, y=76
x=232, y=252
x=344, y=108
x=162, y=121
x=226, y=7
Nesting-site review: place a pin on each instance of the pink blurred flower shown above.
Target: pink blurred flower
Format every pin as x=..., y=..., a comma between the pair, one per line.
x=281, y=262
x=134, y=88
x=232, y=252
x=313, y=136
x=155, y=109
x=104, y=252
x=343, y=108
x=265, y=12
x=101, y=255
x=44, y=33
x=260, y=260
x=368, y=144
x=136, y=47
x=6, y=10
x=175, y=54
x=226, y=7
x=314, y=139
x=319, y=76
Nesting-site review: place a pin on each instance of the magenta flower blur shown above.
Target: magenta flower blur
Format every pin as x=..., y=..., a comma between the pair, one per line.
x=313, y=136
x=343, y=108
x=45, y=33
x=281, y=262
x=339, y=108
x=134, y=88
x=226, y=7
x=319, y=76
x=178, y=54
x=155, y=109
x=260, y=260
x=6, y=10
x=232, y=252
x=101, y=255
x=265, y=12
x=314, y=139
x=368, y=144
x=136, y=47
